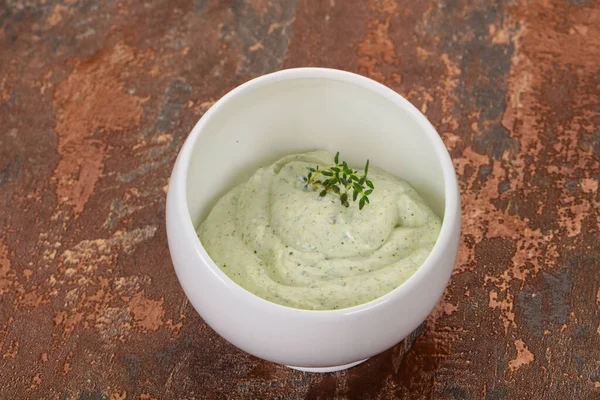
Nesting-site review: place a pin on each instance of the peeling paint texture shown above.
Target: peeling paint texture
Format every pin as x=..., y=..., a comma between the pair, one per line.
x=97, y=97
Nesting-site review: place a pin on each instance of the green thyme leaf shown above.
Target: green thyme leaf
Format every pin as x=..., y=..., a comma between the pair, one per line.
x=341, y=180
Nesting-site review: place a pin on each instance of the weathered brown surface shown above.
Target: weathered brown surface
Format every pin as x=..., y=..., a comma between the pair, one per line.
x=96, y=98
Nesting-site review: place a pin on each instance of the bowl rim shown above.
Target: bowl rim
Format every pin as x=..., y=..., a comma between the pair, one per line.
x=451, y=190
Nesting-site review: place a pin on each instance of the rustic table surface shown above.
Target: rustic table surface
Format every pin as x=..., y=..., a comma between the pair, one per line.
x=96, y=98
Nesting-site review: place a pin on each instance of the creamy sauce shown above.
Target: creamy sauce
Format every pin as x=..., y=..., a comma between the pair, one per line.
x=275, y=239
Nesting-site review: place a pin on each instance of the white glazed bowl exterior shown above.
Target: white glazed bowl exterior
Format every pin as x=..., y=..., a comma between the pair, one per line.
x=292, y=111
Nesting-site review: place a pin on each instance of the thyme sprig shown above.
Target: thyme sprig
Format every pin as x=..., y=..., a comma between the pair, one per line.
x=341, y=180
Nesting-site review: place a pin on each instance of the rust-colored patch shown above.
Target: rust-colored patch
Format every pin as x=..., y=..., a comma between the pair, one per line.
x=450, y=84
x=4, y=332
x=67, y=364
x=523, y=357
x=91, y=103
x=148, y=314
x=5, y=271
x=36, y=381
x=13, y=350
x=499, y=35
x=32, y=299
x=56, y=15
x=83, y=265
x=259, y=6
x=113, y=324
x=589, y=185
x=572, y=215
x=442, y=308
x=67, y=321
x=117, y=395
x=505, y=306
x=101, y=250
x=377, y=47
x=175, y=328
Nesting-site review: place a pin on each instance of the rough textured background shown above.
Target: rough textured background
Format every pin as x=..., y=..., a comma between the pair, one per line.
x=96, y=98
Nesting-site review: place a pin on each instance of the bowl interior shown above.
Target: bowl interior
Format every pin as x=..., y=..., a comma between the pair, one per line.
x=277, y=115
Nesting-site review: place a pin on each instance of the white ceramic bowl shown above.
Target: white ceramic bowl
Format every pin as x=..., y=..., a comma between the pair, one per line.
x=293, y=111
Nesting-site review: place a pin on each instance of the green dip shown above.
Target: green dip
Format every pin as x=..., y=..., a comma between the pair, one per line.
x=274, y=238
